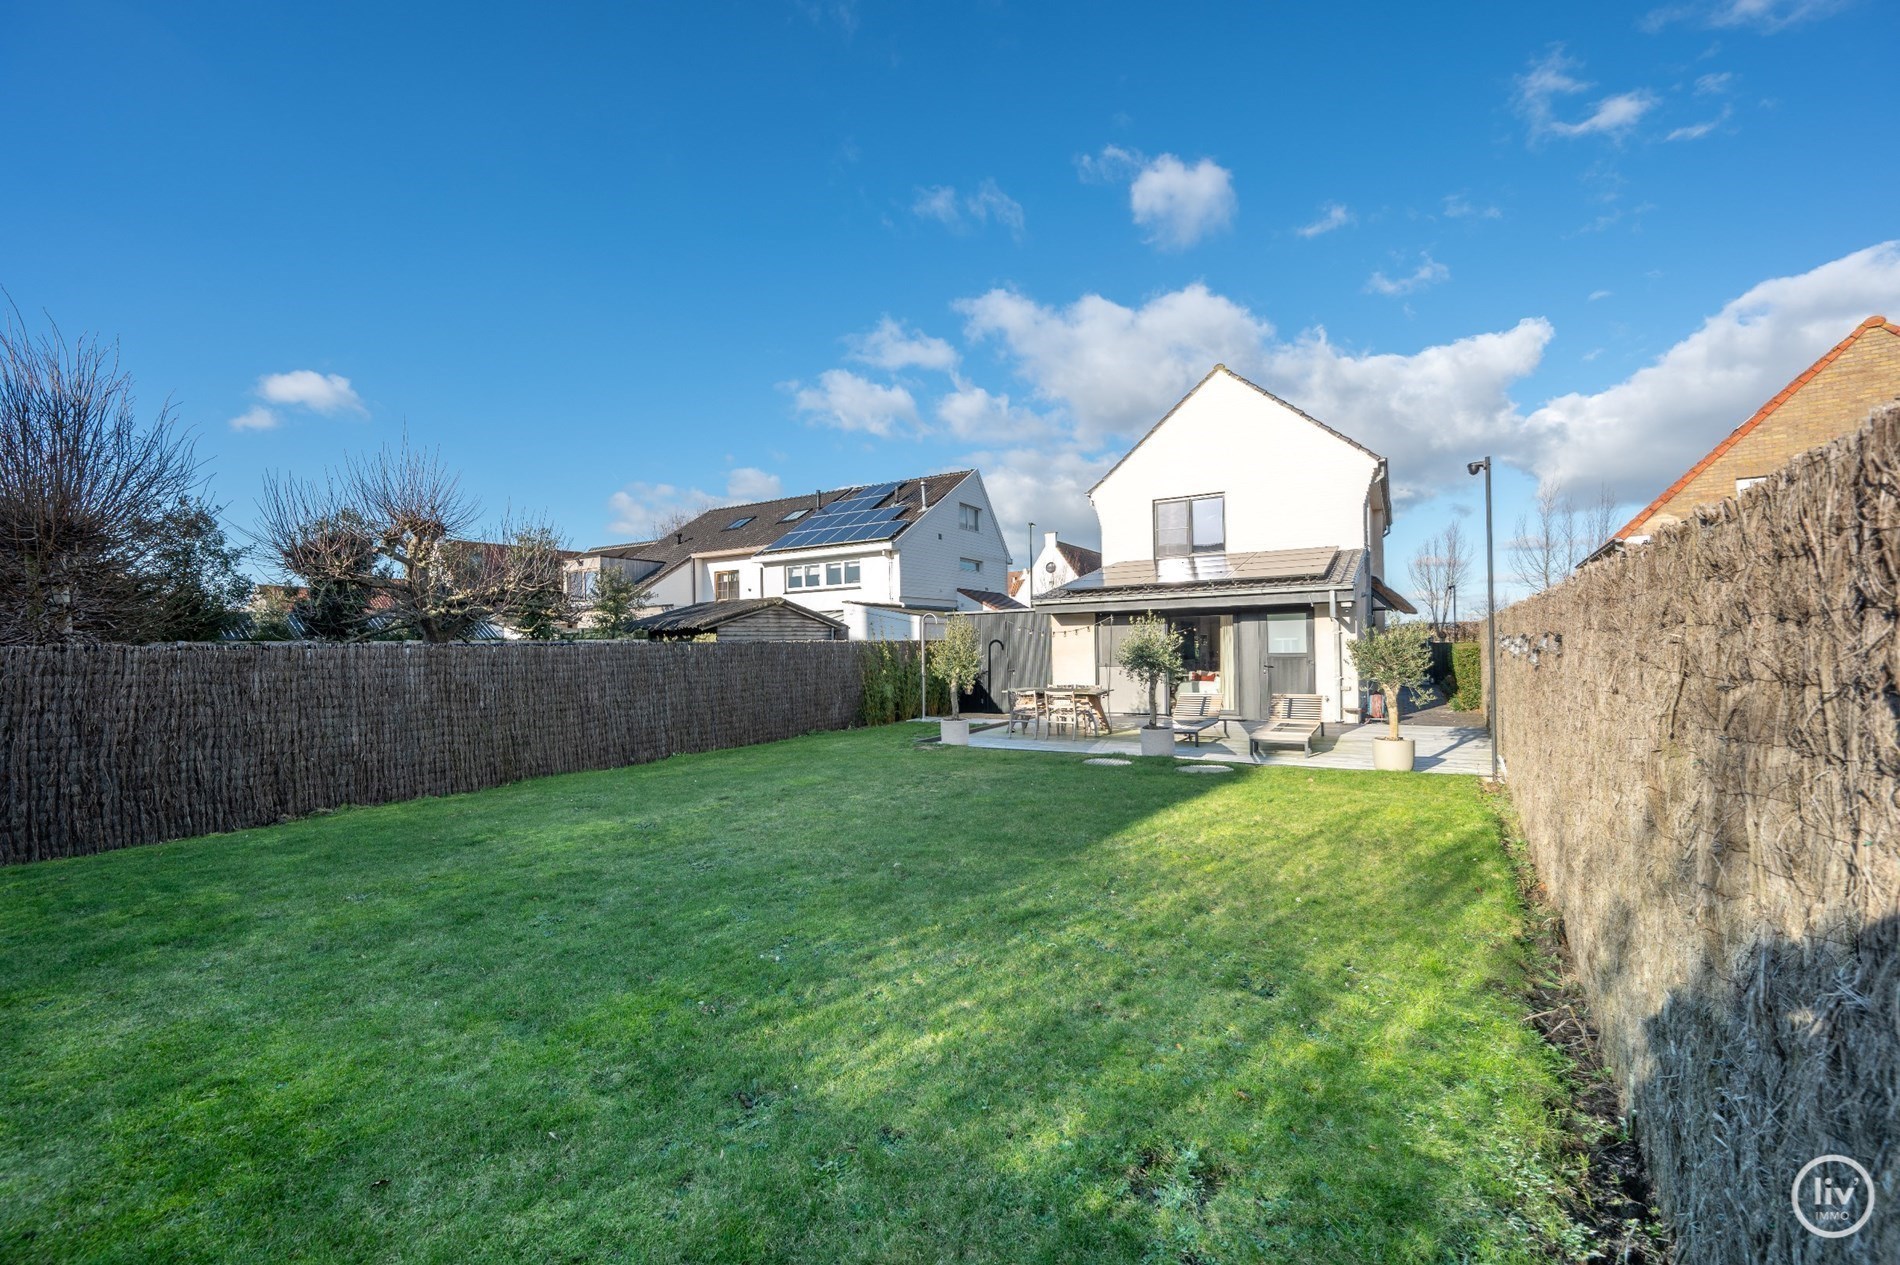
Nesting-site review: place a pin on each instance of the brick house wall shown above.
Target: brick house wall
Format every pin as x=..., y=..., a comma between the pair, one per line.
x=1831, y=399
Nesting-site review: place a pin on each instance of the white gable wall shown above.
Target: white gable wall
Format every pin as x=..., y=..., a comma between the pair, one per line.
x=1288, y=483
x=930, y=552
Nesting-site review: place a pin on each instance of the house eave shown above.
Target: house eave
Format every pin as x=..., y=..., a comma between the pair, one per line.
x=1200, y=600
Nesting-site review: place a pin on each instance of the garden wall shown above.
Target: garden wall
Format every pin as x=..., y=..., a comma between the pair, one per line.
x=103, y=747
x=1703, y=741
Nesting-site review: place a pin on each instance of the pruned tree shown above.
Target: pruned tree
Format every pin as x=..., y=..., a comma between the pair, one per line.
x=1557, y=536
x=383, y=549
x=956, y=659
x=1438, y=569
x=82, y=485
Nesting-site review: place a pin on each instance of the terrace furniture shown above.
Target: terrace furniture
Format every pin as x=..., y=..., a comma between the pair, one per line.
x=1025, y=711
x=1194, y=714
x=1068, y=709
x=1293, y=720
x=1093, y=697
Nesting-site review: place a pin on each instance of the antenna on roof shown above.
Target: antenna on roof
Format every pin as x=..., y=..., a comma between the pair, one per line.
x=923, y=495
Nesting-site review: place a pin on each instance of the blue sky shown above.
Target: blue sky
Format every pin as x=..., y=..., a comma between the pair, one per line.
x=613, y=258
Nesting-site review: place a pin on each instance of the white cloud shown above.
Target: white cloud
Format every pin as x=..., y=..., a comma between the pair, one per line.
x=1696, y=131
x=1549, y=79
x=1764, y=16
x=1044, y=484
x=972, y=414
x=1333, y=215
x=1712, y=84
x=960, y=213
x=1178, y=204
x=1598, y=294
x=749, y=483
x=640, y=509
x=258, y=418
x=849, y=402
x=1641, y=433
x=1428, y=273
x=326, y=393
x=1460, y=207
x=892, y=347
x=1112, y=166
x=1114, y=369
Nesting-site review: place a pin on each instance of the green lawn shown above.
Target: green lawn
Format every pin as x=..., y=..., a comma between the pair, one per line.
x=833, y=999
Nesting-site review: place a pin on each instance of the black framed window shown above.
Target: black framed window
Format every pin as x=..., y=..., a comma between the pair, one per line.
x=1189, y=525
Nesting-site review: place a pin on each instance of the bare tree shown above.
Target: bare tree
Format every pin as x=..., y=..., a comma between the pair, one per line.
x=384, y=549
x=82, y=483
x=1438, y=569
x=1557, y=536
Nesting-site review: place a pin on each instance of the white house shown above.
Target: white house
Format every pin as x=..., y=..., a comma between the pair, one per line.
x=912, y=544
x=1057, y=563
x=1257, y=531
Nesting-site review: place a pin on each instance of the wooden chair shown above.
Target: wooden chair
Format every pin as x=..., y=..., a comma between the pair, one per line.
x=1065, y=708
x=1293, y=720
x=1025, y=711
x=1195, y=714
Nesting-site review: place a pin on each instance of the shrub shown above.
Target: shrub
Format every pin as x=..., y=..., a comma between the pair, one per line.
x=1467, y=677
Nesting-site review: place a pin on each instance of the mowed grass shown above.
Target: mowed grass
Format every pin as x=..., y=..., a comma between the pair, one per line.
x=833, y=999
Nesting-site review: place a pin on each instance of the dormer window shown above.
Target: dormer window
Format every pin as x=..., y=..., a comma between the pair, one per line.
x=796, y=514
x=737, y=523
x=1190, y=525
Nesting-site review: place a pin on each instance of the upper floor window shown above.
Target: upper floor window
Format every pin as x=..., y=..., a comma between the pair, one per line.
x=725, y=586
x=581, y=583
x=842, y=572
x=972, y=565
x=969, y=517
x=814, y=575
x=737, y=523
x=1192, y=524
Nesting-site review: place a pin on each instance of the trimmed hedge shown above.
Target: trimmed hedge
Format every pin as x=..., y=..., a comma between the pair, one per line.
x=1467, y=677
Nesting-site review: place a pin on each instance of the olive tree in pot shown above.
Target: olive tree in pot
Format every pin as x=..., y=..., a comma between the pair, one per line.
x=1152, y=655
x=1393, y=658
x=956, y=661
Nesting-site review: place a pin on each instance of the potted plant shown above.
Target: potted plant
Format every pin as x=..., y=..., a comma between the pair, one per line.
x=1152, y=654
x=956, y=661
x=1393, y=658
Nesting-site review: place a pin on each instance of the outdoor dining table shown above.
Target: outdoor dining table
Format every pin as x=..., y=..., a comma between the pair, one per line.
x=1096, y=696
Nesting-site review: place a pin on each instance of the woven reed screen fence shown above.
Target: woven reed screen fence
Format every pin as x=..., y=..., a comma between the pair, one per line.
x=103, y=747
x=1703, y=738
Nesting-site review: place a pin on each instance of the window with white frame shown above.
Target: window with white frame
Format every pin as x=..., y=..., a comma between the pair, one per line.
x=973, y=566
x=841, y=572
x=969, y=517
x=581, y=583
x=808, y=576
x=1190, y=525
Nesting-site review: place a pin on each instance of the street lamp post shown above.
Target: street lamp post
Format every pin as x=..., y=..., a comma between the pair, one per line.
x=1490, y=615
x=1453, y=590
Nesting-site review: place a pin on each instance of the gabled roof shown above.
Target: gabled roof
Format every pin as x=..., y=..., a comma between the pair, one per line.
x=1762, y=414
x=1080, y=560
x=713, y=532
x=990, y=600
x=1016, y=579
x=1262, y=390
x=706, y=616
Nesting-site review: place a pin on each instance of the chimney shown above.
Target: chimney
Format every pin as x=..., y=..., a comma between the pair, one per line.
x=1048, y=546
x=923, y=495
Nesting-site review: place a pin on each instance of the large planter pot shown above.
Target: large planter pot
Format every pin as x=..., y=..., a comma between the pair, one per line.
x=1156, y=740
x=1393, y=755
x=955, y=732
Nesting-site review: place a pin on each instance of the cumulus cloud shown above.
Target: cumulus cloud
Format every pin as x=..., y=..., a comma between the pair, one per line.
x=258, y=418
x=892, y=346
x=973, y=414
x=1114, y=368
x=1639, y=434
x=1333, y=215
x=1428, y=273
x=1178, y=204
x=1551, y=79
x=643, y=510
x=963, y=212
x=326, y=394
x=749, y=483
x=849, y=402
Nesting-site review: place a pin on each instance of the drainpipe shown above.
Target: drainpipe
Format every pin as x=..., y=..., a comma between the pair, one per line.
x=1339, y=653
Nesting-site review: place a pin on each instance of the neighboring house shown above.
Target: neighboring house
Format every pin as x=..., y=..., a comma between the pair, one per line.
x=1057, y=563
x=1257, y=531
x=1830, y=399
x=987, y=600
x=742, y=619
x=912, y=543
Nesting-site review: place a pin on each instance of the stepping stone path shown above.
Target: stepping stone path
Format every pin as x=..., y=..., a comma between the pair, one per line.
x=1107, y=762
x=1206, y=768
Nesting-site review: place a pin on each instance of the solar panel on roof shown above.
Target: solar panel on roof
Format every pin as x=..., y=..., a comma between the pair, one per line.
x=858, y=516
